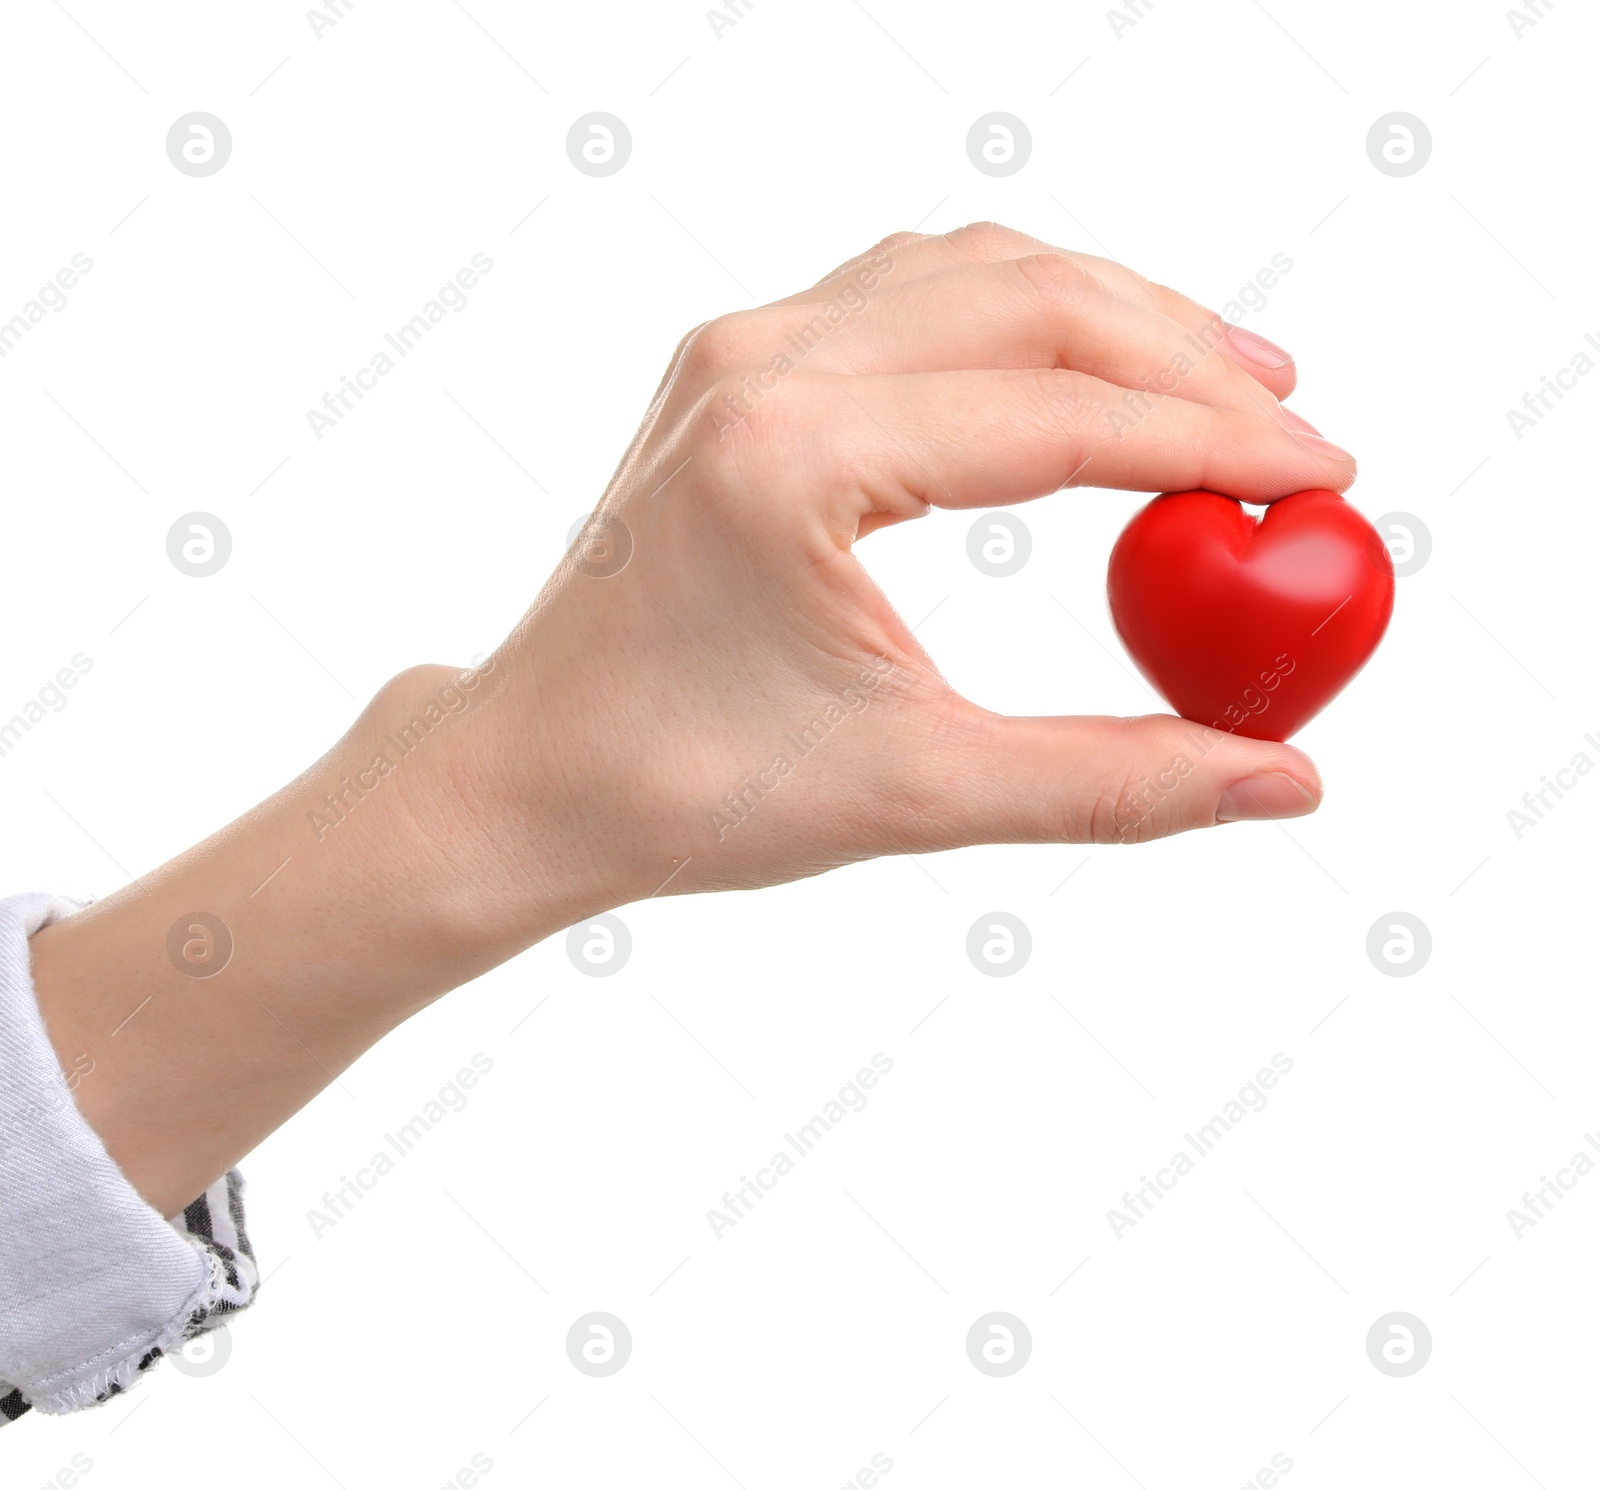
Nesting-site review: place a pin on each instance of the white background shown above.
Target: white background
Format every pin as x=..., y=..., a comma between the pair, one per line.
x=372, y=164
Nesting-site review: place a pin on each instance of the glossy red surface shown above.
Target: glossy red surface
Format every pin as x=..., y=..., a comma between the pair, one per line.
x=1250, y=625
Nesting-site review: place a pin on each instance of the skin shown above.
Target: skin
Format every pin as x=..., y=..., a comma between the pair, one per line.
x=604, y=752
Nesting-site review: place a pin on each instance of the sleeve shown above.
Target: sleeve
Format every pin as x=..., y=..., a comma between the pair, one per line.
x=95, y=1286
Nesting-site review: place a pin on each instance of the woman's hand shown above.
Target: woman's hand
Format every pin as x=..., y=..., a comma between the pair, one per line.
x=709, y=694
x=725, y=698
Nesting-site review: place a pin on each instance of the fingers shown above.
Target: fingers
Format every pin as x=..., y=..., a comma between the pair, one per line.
x=916, y=255
x=1265, y=361
x=1044, y=310
x=905, y=257
x=1104, y=780
x=982, y=439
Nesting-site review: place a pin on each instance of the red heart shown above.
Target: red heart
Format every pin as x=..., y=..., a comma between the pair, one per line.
x=1250, y=625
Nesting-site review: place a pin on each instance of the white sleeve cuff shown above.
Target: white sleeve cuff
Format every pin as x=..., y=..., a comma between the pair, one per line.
x=94, y=1285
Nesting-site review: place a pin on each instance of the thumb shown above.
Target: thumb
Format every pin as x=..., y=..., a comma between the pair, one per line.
x=1107, y=780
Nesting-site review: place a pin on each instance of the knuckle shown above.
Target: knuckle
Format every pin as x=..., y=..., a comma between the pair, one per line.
x=1122, y=813
x=1208, y=325
x=1048, y=387
x=681, y=351
x=892, y=242
x=1154, y=794
x=1057, y=279
x=1069, y=400
x=1065, y=408
x=985, y=240
x=715, y=347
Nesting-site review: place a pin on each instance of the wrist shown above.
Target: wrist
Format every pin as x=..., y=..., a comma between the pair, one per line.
x=478, y=828
x=245, y=975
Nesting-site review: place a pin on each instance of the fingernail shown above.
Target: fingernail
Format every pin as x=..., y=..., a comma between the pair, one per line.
x=1270, y=795
x=1258, y=349
x=1325, y=448
x=1296, y=422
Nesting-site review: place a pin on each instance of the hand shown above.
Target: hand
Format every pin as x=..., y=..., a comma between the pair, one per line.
x=735, y=705
x=738, y=705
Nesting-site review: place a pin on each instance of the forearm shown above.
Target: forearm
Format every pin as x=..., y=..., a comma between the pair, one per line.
x=376, y=881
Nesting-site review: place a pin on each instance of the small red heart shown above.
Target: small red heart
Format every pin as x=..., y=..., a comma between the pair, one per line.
x=1250, y=625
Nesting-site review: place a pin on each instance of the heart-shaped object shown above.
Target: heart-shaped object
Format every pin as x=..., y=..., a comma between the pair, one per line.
x=1250, y=625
